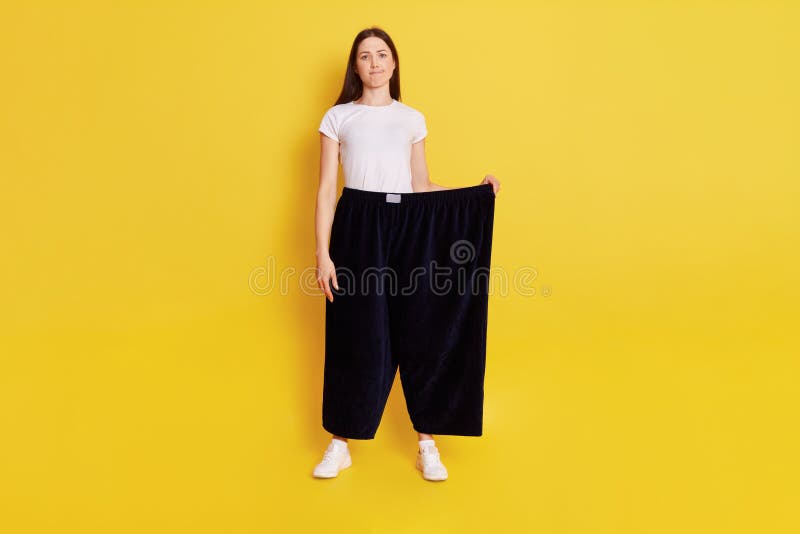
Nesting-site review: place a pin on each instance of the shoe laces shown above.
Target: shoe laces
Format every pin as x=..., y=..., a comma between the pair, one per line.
x=331, y=454
x=430, y=454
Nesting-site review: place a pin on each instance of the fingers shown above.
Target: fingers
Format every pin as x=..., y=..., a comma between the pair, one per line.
x=490, y=179
x=325, y=285
x=327, y=289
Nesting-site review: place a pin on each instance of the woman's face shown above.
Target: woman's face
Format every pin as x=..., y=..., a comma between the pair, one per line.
x=374, y=62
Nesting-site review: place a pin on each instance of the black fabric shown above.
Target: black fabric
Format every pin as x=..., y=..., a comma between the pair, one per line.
x=413, y=292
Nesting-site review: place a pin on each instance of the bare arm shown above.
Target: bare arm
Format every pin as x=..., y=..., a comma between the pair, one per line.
x=420, y=181
x=326, y=204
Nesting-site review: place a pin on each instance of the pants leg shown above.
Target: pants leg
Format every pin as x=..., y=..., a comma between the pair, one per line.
x=438, y=326
x=359, y=365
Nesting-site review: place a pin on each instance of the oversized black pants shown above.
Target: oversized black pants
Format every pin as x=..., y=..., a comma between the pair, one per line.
x=413, y=275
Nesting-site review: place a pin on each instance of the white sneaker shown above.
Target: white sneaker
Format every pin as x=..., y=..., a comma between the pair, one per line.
x=430, y=464
x=336, y=458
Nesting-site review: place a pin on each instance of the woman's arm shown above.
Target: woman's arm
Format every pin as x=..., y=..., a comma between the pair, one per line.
x=420, y=181
x=326, y=204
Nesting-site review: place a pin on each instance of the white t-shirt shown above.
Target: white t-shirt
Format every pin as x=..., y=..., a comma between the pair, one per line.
x=375, y=143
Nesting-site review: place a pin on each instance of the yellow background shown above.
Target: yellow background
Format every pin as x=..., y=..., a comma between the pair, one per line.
x=156, y=157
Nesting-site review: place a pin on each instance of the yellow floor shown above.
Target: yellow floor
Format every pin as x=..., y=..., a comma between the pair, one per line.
x=211, y=428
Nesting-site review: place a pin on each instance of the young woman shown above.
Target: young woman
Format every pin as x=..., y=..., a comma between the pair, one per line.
x=386, y=213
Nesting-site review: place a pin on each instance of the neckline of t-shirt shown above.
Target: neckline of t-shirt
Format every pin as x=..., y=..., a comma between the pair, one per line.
x=394, y=101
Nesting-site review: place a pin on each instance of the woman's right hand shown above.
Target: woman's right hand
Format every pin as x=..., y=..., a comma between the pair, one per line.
x=325, y=271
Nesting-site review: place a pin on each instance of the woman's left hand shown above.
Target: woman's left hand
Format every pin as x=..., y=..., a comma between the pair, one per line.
x=489, y=179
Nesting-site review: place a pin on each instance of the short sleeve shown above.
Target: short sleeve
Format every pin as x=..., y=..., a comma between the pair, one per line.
x=328, y=125
x=420, y=128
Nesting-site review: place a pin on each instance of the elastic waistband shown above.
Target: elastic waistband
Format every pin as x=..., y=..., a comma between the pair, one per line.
x=442, y=195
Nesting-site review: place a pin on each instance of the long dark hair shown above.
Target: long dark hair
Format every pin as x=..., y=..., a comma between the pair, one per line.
x=353, y=87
